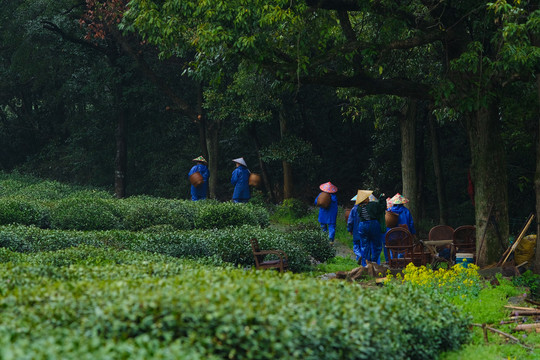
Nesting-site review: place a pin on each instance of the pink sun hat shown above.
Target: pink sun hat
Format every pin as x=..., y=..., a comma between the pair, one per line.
x=398, y=199
x=328, y=187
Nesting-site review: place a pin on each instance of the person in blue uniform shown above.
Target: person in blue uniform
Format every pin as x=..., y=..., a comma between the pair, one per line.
x=201, y=166
x=397, y=203
x=327, y=216
x=240, y=180
x=364, y=226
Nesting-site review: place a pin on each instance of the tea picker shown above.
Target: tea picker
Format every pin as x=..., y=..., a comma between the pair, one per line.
x=240, y=180
x=328, y=209
x=198, y=177
x=365, y=226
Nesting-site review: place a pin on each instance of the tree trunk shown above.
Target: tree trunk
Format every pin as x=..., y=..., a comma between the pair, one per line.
x=212, y=143
x=439, y=178
x=490, y=182
x=201, y=123
x=537, y=183
x=408, y=157
x=264, y=172
x=287, y=168
x=120, y=162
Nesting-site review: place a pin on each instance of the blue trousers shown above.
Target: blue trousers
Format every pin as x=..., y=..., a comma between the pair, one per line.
x=367, y=242
x=331, y=229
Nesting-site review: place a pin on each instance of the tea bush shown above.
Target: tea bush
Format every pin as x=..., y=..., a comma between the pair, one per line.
x=315, y=242
x=231, y=245
x=139, y=213
x=85, y=214
x=100, y=303
x=30, y=201
x=25, y=212
x=213, y=214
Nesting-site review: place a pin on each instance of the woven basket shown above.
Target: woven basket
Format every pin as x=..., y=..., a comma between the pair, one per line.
x=196, y=179
x=254, y=180
x=391, y=219
x=324, y=200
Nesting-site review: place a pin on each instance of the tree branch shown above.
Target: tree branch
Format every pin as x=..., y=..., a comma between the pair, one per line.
x=54, y=28
x=398, y=87
x=154, y=78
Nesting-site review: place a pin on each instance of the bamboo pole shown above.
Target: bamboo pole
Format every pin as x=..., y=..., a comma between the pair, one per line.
x=514, y=246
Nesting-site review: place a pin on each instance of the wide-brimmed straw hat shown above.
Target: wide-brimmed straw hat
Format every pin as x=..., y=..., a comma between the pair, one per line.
x=200, y=159
x=240, y=161
x=398, y=199
x=328, y=187
x=362, y=195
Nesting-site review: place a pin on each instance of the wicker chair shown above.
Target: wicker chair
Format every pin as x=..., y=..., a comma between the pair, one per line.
x=464, y=240
x=441, y=232
x=399, y=242
x=260, y=263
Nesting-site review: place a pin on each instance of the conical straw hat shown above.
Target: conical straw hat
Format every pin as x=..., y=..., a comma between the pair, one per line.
x=362, y=195
x=398, y=199
x=328, y=187
x=240, y=161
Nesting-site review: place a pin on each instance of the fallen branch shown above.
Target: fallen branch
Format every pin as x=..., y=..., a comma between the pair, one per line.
x=513, y=338
x=520, y=308
x=528, y=327
x=532, y=302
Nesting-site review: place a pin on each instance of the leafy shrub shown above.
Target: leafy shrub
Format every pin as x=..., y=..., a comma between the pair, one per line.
x=292, y=209
x=147, y=303
x=530, y=280
x=139, y=213
x=21, y=211
x=84, y=214
x=216, y=215
x=314, y=242
x=230, y=245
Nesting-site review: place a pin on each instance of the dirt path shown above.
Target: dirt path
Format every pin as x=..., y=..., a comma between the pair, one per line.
x=343, y=250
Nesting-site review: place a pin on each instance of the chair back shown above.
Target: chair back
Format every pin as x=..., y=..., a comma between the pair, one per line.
x=464, y=239
x=256, y=249
x=399, y=242
x=441, y=232
x=398, y=236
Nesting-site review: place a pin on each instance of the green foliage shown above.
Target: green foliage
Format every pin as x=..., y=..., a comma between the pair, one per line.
x=27, y=201
x=230, y=245
x=21, y=211
x=130, y=305
x=530, y=280
x=84, y=214
x=292, y=209
x=314, y=242
x=140, y=213
x=212, y=214
x=337, y=263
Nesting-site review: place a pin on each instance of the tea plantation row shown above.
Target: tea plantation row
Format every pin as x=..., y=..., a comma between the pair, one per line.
x=103, y=303
x=135, y=213
x=229, y=245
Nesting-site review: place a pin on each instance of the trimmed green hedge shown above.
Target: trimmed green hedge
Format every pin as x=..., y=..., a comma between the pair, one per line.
x=49, y=204
x=92, y=303
x=230, y=245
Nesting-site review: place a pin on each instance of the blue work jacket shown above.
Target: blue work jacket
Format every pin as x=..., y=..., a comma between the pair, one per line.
x=240, y=180
x=199, y=193
x=328, y=215
x=405, y=216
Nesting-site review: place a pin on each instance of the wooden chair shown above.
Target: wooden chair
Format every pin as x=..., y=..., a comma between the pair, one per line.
x=399, y=242
x=260, y=255
x=441, y=232
x=420, y=255
x=437, y=233
x=464, y=240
